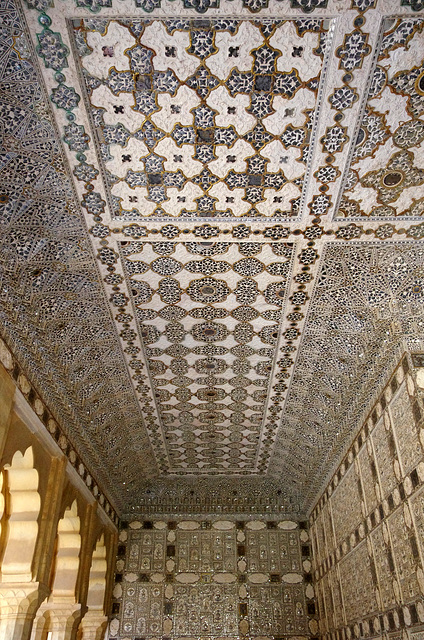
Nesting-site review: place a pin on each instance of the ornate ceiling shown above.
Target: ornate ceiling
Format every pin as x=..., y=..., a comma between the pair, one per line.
x=212, y=247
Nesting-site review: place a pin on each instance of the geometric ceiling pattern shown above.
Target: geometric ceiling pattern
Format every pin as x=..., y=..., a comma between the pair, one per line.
x=183, y=107
x=213, y=238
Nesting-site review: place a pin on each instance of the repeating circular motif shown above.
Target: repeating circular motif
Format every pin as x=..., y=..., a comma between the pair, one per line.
x=242, y=351
x=163, y=395
x=245, y=313
x=273, y=315
x=142, y=315
x=266, y=352
x=172, y=313
x=241, y=366
x=157, y=367
x=169, y=291
x=208, y=290
x=133, y=267
x=179, y=366
x=149, y=334
x=185, y=417
x=208, y=313
x=183, y=394
x=177, y=351
x=250, y=248
x=179, y=381
x=240, y=381
x=141, y=292
x=166, y=266
x=281, y=249
x=153, y=352
x=259, y=395
x=210, y=332
x=237, y=418
x=209, y=394
x=163, y=248
x=269, y=334
x=278, y=268
x=263, y=368
x=246, y=291
x=238, y=395
x=212, y=416
x=243, y=332
x=210, y=365
x=275, y=293
x=175, y=332
x=248, y=267
x=210, y=350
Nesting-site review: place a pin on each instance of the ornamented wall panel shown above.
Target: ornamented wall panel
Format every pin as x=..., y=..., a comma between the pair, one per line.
x=405, y=431
x=213, y=579
x=206, y=610
x=143, y=610
x=203, y=117
x=385, y=454
x=405, y=554
x=417, y=509
x=336, y=597
x=386, y=175
x=206, y=551
x=358, y=594
x=272, y=551
x=328, y=520
x=369, y=478
x=383, y=555
x=380, y=557
x=276, y=610
x=147, y=551
x=346, y=506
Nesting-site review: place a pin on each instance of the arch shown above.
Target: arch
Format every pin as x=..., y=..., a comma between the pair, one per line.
x=20, y=504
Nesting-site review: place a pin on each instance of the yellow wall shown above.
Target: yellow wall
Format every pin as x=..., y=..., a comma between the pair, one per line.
x=56, y=539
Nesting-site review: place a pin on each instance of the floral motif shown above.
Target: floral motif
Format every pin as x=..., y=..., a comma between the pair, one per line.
x=85, y=172
x=52, y=50
x=75, y=137
x=208, y=290
x=65, y=97
x=353, y=51
x=169, y=290
x=334, y=139
x=399, y=174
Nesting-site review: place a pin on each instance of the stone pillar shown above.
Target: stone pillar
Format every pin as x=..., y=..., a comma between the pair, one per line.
x=18, y=605
x=93, y=626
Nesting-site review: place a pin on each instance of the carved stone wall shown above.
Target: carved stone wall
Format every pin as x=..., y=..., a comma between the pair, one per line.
x=367, y=529
x=213, y=579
